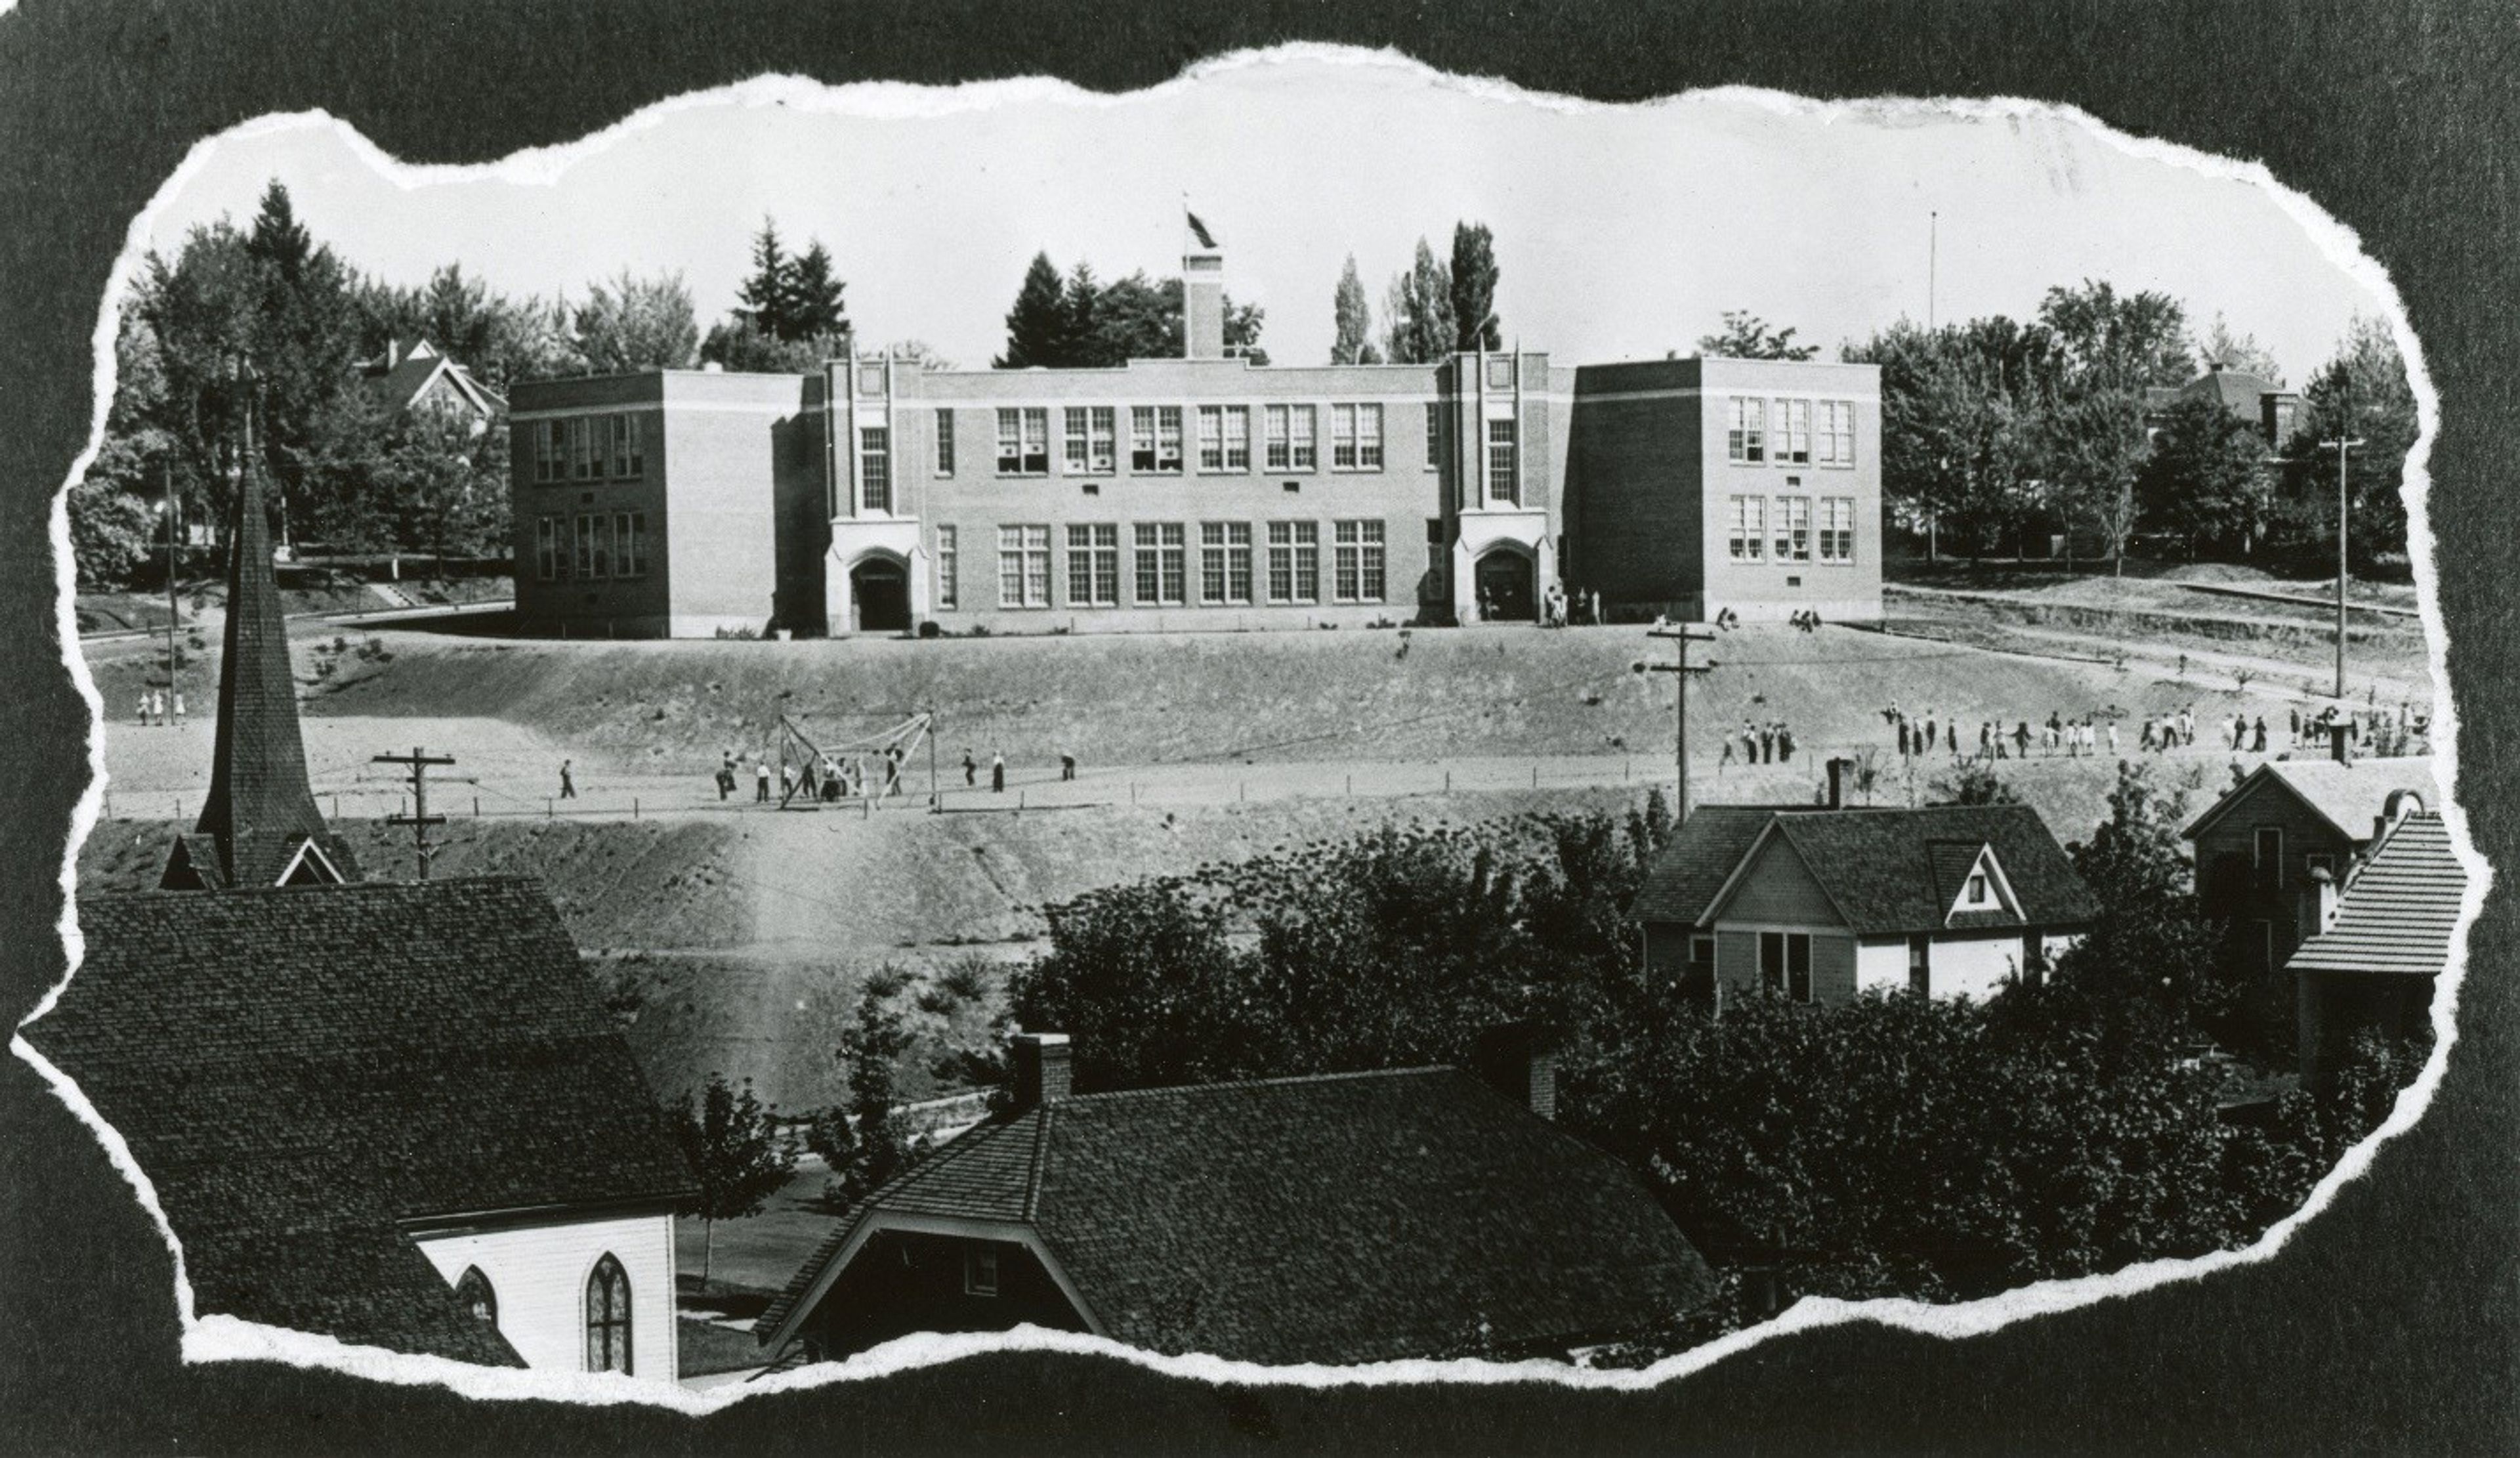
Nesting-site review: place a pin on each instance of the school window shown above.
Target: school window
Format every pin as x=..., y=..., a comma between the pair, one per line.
x=1503, y=483
x=1211, y=561
x=546, y=437
x=548, y=561
x=1307, y=543
x=630, y=544
x=1784, y=964
x=1368, y=437
x=1281, y=562
x=1275, y=453
x=1167, y=436
x=607, y=1317
x=584, y=542
x=949, y=573
x=1793, y=529
x=944, y=442
x=1434, y=436
x=979, y=1272
x=1794, y=433
x=1238, y=562
x=1837, y=529
x=1211, y=437
x=581, y=449
x=617, y=442
x=1745, y=435
x=1094, y=564
x=1836, y=433
x=1158, y=566
x=1749, y=527
x=875, y=468
x=1238, y=437
x=1023, y=442
x=1090, y=444
x=1305, y=429
x=1357, y=562
x=1073, y=440
x=1024, y=567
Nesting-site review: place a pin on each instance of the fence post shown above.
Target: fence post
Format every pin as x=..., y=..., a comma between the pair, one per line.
x=547, y=808
x=1535, y=774
x=1447, y=782
x=633, y=807
x=1351, y=786
x=476, y=807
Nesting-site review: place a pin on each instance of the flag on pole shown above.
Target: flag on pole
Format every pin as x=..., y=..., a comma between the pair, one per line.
x=1198, y=229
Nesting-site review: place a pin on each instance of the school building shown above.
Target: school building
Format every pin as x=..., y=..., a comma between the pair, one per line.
x=1204, y=493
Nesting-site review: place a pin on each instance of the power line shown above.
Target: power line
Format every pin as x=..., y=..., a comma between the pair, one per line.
x=419, y=820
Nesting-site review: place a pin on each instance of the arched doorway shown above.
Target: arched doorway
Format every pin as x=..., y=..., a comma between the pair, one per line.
x=1504, y=587
x=879, y=596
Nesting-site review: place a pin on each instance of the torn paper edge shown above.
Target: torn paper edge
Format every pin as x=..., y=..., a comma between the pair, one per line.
x=216, y=1338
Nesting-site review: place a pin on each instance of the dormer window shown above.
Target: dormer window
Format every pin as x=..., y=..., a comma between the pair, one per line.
x=1977, y=889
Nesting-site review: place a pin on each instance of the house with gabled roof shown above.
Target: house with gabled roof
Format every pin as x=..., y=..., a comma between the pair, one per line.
x=1343, y=1218
x=421, y=378
x=1820, y=904
x=2258, y=849
x=2379, y=945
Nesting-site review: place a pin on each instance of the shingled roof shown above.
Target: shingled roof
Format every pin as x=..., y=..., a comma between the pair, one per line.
x=305, y=1072
x=2399, y=912
x=260, y=811
x=2349, y=795
x=1343, y=1218
x=1883, y=868
x=1682, y=883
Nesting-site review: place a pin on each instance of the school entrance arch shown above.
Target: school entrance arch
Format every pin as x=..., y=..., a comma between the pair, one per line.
x=1506, y=591
x=879, y=596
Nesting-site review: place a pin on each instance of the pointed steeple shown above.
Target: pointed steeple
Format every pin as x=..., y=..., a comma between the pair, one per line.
x=259, y=826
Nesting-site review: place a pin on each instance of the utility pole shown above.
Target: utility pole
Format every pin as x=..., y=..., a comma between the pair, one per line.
x=174, y=527
x=2344, y=501
x=419, y=820
x=1680, y=636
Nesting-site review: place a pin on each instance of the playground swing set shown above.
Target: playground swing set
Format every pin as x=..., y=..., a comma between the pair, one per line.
x=869, y=767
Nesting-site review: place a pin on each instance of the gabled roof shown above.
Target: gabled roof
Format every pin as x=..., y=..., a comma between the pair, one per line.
x=1682, y=883
x=2350, y=796
x=400, y=384
x=2234, y=390
x=1344, y=1218
x=1954, y=862
x=1880, y=868
x=2396, y=914
x=301, y=1072
x=260, y=811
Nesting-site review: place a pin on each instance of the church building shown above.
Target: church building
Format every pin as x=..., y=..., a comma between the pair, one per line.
x=876, y=496
x=396, y=1115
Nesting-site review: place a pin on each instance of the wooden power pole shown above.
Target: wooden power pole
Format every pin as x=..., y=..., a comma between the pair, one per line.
x=419, y=820
x=2344, y=504
x=1681, y=636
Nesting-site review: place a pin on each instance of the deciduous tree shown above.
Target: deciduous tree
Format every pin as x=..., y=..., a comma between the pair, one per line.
x=737, y=1155
x=631, y=324
x=1352, y=319
x=1474, y=289
x=1747, y=335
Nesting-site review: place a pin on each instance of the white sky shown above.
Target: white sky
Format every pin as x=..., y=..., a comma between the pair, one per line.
x=1621, y=232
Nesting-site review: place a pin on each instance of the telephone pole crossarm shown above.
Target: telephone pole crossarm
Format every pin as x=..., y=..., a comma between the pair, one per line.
x=420, y=762
x=1681, y=637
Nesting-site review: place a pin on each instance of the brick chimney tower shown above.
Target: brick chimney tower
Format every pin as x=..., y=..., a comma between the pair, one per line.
x=1202, y=293
x=259, y=826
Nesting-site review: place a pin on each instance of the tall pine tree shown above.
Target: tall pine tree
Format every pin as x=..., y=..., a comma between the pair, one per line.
x=769, y=292
x=1037, y=326
x=815, y=309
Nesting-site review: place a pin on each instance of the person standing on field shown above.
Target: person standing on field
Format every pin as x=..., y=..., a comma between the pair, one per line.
x=997, y=774
x=567, y=783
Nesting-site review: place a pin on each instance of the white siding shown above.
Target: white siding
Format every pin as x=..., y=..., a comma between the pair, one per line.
x=1975, y=967
x=1881, y=962
x=539, y=1274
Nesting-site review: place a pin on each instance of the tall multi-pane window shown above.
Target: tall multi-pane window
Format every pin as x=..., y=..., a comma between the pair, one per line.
x=1141, y=438
x=1308, y=561
x=1434, y=434
x=1793, y=529
x=1238, y=562
x=1094, y=564
x=1276, y=454
x=546, y=549
x=1281, y=560
x=1168, y=439
x=1342, y=437
x=1503, y=482
x=1159, y=562
x=944, y=442
x=1747, y=541
x=1238, y=437
x=617, y=444
x=875, y=469
x=607, y=1317
x=949, y=570
x=1211, y=437
x=1088, y=438
x=1836, y=433
x=581, y=449
x=546, y=439
x=1024, y=567
x=1794, y=433
x=1023, y=442
x=1368, y=437
x=1304, y=427
x=630, y=544
x=1072, y=440
x=1211, y=561
x=590, y=551
x=1837, y=529
x=1745, y=435
x=1357, y=568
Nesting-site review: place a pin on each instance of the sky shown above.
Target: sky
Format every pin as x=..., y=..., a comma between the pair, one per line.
x=1621, y=232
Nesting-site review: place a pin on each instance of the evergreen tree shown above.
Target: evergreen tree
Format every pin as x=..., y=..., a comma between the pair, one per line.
x=1473, y=291
x=770, y=290
x=815, y=309
x=1080, y=318
x=2363, y=393
x=1036, y=327
x=1354, y=320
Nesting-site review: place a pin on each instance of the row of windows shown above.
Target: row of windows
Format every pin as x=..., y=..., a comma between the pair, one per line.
x=1090, y=439
x=590, y=546
x=588, y=447
x=1749, y=538
x=1786, y=432
x=607, y=1311
x=1282, y=563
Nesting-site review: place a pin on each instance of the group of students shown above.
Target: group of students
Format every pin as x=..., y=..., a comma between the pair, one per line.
x=1760, y=744
x=826, y=779
x=1918, y=736
x=161, y=706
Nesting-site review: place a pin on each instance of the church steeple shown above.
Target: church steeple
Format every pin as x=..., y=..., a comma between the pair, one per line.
x=259, y=826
